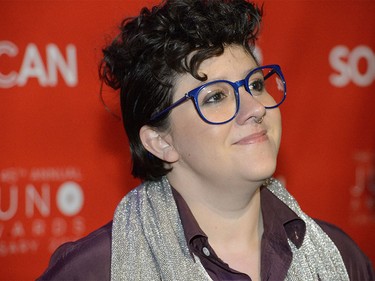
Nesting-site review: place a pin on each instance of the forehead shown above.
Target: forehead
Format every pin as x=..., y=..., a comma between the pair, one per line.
x=234, y=59
x=234, y=64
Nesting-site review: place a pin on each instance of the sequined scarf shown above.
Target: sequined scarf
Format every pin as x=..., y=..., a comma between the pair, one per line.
x=148, y=241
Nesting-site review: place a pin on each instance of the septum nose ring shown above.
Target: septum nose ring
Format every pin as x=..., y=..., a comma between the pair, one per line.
x=259, y=120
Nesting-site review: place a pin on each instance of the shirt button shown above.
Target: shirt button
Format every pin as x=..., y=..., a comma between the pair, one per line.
x=206, y=252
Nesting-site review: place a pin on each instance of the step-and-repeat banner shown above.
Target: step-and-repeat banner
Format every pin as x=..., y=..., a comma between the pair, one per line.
x=64, y=160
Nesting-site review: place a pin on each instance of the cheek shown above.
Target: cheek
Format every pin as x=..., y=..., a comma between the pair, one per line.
x=186, y=134
x=196, y=139
x=277, y=127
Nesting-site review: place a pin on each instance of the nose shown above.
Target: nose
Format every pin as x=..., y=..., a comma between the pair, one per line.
x=250, y=108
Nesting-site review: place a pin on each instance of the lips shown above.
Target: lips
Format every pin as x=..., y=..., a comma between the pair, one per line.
x=253, y=138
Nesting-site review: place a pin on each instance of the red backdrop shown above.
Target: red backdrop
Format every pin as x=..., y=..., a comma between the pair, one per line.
x=64, y=160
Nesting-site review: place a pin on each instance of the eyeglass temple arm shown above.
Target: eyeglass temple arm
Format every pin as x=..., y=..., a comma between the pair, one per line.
x=269, y=74
x=166, y=110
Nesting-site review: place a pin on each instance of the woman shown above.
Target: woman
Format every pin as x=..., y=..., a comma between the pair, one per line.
x=204, y=127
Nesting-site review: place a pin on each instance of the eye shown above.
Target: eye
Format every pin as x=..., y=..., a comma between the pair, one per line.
x=214, y=97
x=257, y=86
x=216, y=94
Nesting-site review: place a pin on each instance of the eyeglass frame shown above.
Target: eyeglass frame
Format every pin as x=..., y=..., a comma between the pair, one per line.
x=193, y=94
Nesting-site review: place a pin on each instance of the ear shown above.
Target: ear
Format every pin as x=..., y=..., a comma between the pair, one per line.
x=156, y=144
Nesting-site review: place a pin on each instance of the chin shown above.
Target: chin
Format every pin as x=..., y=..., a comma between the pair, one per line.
x=262, y=172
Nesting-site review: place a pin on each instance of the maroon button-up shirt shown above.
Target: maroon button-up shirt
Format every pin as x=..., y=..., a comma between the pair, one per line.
x=90, y=257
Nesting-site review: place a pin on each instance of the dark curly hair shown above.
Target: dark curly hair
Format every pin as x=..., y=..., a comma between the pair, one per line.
x=152, y=49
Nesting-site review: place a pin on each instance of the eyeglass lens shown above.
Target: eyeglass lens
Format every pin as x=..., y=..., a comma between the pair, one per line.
x=217, y=101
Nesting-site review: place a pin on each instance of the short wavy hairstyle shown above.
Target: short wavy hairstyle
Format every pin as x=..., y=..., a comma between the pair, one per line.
x=151, y=49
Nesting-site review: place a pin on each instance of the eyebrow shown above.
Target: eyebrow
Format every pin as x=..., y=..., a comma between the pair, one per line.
x=244, y=74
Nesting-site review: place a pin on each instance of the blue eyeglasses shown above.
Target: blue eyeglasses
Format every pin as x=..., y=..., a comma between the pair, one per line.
x=218, y=102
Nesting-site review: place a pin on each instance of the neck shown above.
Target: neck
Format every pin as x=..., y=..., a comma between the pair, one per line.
x=227, y=214
x=231, y=218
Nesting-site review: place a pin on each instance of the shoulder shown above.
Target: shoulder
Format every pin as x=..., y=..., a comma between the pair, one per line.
x=359, y=267
x=88, y=258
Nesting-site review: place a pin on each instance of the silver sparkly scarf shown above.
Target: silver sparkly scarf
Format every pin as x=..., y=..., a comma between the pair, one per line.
x=148, y=241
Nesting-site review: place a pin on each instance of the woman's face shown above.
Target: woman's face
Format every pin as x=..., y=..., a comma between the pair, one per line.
x=241, y=150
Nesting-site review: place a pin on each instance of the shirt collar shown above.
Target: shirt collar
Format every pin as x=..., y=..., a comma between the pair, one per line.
x=276, y=216
x=189, y=223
